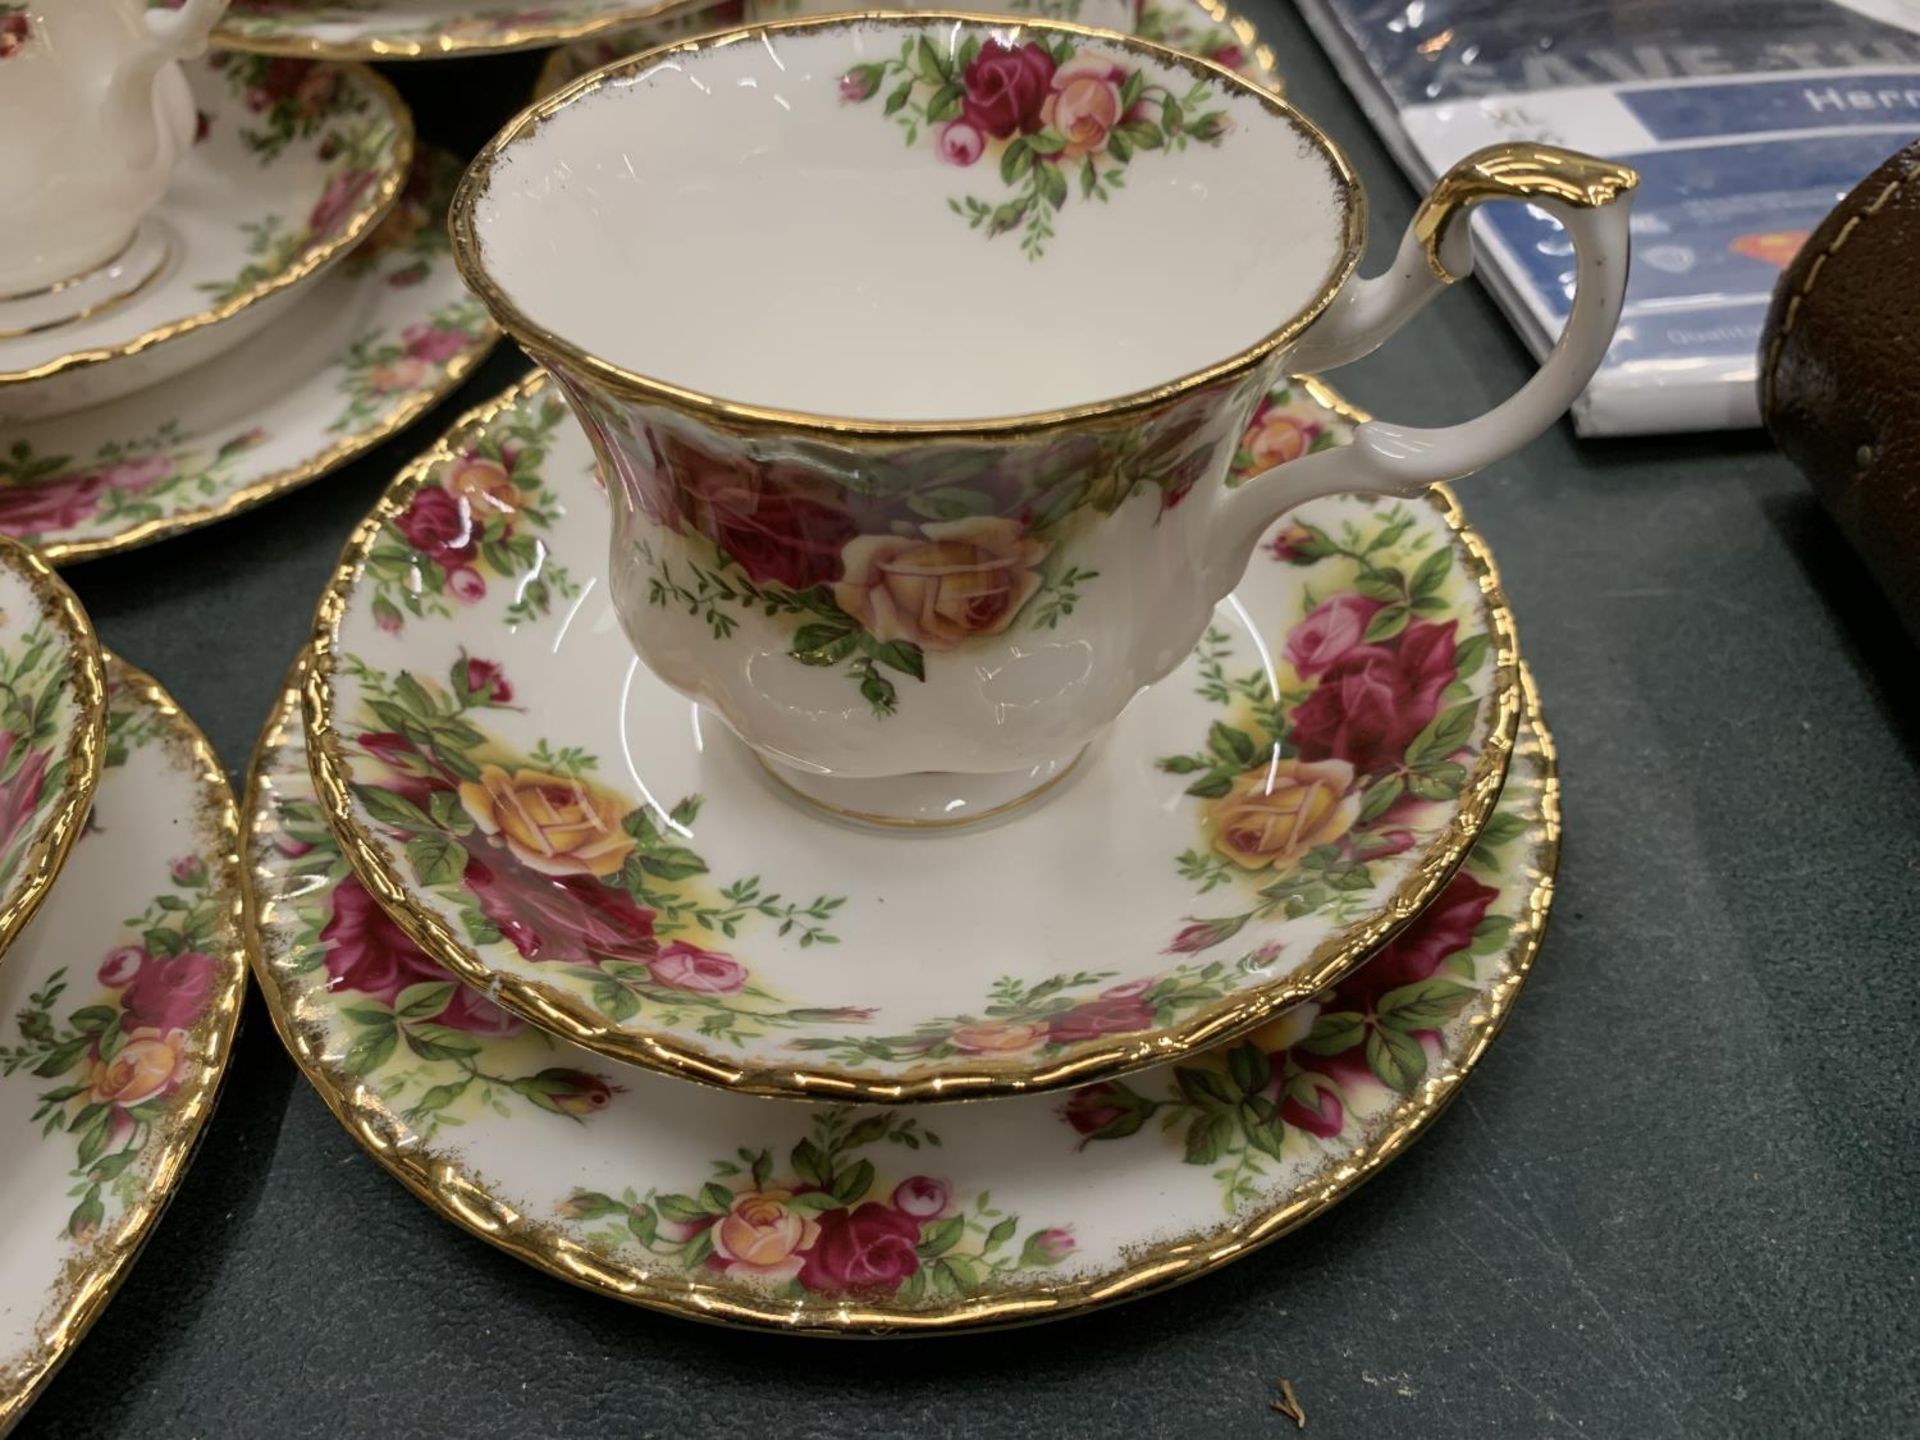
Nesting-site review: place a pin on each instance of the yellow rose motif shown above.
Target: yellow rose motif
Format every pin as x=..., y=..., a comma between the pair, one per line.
x=141, y=1068
x=955, y=580
x=556, y=824
x=1278, y=812
x=484, y=484
x=1287, y=1029
x=762, y=1235
x=999, y=1037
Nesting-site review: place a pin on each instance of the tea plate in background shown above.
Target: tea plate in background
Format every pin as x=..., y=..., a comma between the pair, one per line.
x=53, y=731
x=1200, y=27
x=828, y=1219
x=293, y=166
x=380, y=339
x=419, y=29
x=119, y=1005
x=553, y=824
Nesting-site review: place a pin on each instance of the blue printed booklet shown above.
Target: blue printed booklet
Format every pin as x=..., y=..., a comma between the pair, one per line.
x=1747, y=119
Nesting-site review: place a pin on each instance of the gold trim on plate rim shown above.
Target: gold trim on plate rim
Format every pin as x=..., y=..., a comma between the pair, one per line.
x=269, y=487
x=371, y=210
x=571, y=1019
x=729, y=415
x=94, y=1278
x=526, y=37
x=1244, y=30
x=447, y=1187
x=86, y=747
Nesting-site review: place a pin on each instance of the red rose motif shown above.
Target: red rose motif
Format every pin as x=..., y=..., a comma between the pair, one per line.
x=1006, y=86
x=563, y=919
x=367, y=952
x=1330, y=630
x=1375, y=698
x=486, y=677
x=15, y=31
x=168, y=992
x=705, y=972
x=337, y=202
x=1293, y=545
x=67, y=500
x=1107, y=1015
x=21, y=796
x=438, y=525
x=870, y=1247
x=432, y=344
x=1444, y=928
x=1320, y=1114
x=1092, y=1108
x=778, y=524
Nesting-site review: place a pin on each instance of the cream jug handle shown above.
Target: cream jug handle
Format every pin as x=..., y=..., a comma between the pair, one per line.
x=1590, y=199
x=177, y=34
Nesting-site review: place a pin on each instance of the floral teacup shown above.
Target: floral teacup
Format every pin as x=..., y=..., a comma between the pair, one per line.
x=937, y=481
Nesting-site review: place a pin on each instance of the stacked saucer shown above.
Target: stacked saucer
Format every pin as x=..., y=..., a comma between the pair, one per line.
x=287, y=303
x=123, y=963
x=514, y=893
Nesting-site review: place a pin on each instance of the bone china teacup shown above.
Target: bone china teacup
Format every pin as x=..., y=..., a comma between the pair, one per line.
x=916, y=350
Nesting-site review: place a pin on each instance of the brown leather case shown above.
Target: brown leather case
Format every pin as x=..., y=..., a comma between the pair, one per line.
x=1840, y=372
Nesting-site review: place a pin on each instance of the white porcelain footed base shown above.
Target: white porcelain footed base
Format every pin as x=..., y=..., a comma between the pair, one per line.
x=128, y=272
x=929, y=800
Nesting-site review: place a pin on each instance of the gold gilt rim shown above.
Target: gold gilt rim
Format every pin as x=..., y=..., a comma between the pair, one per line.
x=228, y=36
x=357, y=226
x=86, y=747
x=268, y=487
x=570, y=1017
x=729, y=415
x=455, y=1193
x=549, y=79
x=105, y=1266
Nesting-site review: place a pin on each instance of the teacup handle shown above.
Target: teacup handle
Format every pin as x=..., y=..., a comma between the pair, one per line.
x=1590, y=198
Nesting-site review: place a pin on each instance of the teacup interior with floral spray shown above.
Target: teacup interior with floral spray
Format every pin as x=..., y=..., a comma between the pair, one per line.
x=919, y=218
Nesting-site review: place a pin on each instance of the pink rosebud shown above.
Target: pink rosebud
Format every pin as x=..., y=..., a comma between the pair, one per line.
x=1047, y=1247
x=1378, y=847
x=959, y=143
x=1129, y=990
x=121, y=965
x=922, y=1197
x=388, y=620
x=465, y=583
x=859, y=83
x=1201, y=935
x=189, y=870
x=488, y=678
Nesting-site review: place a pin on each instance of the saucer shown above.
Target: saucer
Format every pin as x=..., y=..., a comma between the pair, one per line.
x=555, y=825
x=828, y=1219
x=419, y=29
x=381, y=338
x=1200, y=27
x=53, y=729
x=294, y=164
x=118, y=1007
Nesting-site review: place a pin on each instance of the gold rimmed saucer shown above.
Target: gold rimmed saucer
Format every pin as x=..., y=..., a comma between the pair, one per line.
x=609, y=869
x=830, y=1220
x=120, y=1003
x=53, y=730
